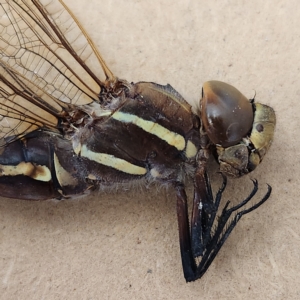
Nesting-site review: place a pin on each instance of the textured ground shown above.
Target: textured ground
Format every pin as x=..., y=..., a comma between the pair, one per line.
x=125, y=245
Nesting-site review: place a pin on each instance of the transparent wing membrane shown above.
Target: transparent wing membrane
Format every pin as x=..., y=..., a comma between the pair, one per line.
x=48, y=64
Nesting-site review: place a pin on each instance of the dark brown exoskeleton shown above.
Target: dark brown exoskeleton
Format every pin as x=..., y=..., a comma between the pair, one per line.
x=63, y=133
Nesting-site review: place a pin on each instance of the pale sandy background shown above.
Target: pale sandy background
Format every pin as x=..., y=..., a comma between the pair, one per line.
x=125, y=245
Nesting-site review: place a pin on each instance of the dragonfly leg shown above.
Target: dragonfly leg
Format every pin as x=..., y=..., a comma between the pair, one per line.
x=209, y=230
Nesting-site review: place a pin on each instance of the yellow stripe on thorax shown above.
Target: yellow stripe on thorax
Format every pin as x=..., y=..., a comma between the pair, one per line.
x=63, y=176
x=112, y=161
x=172, y=138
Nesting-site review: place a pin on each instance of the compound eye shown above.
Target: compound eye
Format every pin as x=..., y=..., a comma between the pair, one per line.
x=227, y=115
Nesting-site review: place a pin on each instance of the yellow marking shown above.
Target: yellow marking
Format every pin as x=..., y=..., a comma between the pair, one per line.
x=92, y=177
x=172, y=138
x=76, y=144
x=190, y=150
x=63, y=176
x=155, y=173
x=112, y=161
x=37, y=172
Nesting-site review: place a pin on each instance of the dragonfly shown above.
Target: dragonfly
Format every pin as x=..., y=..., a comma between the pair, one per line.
x=68, y=125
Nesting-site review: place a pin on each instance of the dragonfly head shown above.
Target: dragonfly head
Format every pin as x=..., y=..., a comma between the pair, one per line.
x=240, y=129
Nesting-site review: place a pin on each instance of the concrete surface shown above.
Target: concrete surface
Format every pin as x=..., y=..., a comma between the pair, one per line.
x=125, y=245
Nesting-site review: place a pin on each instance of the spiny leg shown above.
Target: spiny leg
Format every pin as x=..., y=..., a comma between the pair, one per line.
x=224, y=228
x=203, y=239
x=204, y=211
